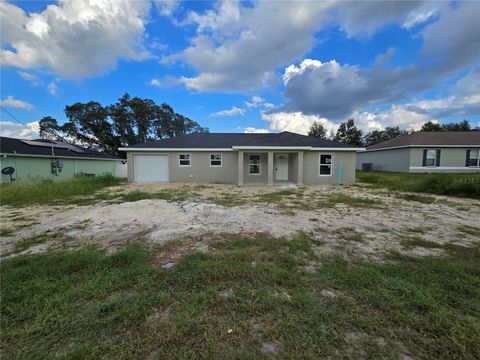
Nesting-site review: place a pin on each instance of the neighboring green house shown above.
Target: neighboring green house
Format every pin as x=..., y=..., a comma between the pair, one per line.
x=424, y=152
x=53, y=160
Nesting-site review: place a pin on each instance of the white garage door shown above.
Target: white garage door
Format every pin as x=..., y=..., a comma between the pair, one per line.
x=151, y=168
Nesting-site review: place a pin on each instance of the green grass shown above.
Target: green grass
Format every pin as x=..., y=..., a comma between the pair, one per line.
x=86, y=304
x=418, y=241
x=49, y=192
x=465, y=185
x=6, y=231
x=416, y=197
x=470, y=230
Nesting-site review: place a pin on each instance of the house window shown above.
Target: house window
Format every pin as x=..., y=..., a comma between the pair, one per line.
x=254, y=167
x=431, y=158
x=184, y=160
x=215, y=159
x=325, y=164
x=473, y=158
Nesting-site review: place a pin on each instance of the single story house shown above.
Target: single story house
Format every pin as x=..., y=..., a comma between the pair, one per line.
x=424, y=152
x=275, y=158
x=53, y=160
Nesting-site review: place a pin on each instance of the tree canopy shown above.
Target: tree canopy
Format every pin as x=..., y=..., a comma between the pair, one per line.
x=377, y=136
x=318, y=130
x=127, y=122
x=348, y=133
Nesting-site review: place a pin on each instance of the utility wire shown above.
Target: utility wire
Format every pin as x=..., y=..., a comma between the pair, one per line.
x=14, y=118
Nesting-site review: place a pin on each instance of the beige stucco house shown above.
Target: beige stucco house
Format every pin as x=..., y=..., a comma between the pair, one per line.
x=424, y=152
x=242, y=159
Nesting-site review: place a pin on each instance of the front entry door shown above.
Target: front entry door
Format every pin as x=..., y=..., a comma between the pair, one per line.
x=281, y=167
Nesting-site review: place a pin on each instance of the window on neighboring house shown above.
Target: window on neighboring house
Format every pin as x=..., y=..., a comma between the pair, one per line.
x=254, y=166
x=431, y=157
x=184, y=160
x=473, y=157
x=325, y=164
x=215, y=159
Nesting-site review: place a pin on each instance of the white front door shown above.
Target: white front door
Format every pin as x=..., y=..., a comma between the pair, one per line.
x=281, y=166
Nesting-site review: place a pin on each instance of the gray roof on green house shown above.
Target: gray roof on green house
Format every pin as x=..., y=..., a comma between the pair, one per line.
x=229, y=140
x=430, y=138
x=42, y=147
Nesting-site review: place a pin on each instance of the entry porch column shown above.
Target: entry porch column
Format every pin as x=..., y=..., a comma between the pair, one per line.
x=300, y=168
x=240, y=168
x=270, y=168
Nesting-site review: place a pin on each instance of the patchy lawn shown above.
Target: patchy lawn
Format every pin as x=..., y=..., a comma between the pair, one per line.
x=466, y=185
x=49, y=192
x=249, y=296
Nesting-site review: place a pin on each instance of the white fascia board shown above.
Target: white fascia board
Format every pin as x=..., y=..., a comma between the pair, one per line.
x=60, y=157
x=172, y=149
x=424, y=146
x=336, y=149
x=271, y=147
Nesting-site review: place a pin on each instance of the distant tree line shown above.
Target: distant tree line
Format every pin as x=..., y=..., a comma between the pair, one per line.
x=127, y=122
x=348, y=133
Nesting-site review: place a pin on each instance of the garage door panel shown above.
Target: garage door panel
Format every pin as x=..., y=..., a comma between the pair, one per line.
x=151, y=168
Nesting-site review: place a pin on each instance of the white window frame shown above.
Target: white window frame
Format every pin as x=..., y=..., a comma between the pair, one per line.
x=478, y=158
x=180, y=160
x=221, y=160
x=259, y=165
x=434, y=158
x=320, y=164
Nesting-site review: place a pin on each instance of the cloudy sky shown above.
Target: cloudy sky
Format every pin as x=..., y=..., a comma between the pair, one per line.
x=245, y=66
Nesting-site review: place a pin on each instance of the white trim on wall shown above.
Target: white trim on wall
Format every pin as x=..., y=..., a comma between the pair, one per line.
x=60, y=157
x=423, y=146
x=331, y=164
x=174, y=149
x=242, y=148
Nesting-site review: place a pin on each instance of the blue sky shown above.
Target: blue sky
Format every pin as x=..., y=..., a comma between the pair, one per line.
x=245, y=66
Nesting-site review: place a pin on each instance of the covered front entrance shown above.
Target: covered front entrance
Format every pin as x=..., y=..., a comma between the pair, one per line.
x=270, y=167
x=281, y=167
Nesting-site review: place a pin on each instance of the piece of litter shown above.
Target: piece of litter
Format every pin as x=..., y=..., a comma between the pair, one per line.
x=72, y=233
x=230, y=331
x=167, y=265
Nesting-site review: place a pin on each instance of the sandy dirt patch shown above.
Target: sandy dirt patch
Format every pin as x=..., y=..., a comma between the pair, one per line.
x=383, y=222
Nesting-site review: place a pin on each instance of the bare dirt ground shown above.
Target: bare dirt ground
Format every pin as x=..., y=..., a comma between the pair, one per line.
x=355, y=220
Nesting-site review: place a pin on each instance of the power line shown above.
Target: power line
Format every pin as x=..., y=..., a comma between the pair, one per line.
x=14, y=118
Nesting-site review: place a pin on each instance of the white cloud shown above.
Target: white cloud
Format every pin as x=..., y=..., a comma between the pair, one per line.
x=15, y=130
x=75, y=39
x=155, y=82
x=34, y=80
x=255, y=102
x=53, y=88
x=166, y=7
x=231, y=112
x=295, y=122
x=238, y=47
x=252, y=130
x=10, y=101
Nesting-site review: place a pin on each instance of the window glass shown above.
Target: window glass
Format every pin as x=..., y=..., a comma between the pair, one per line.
x=431, y=157
x=325, y=164
x=216, y=160
x=184, y=160
x=254, y=164
x=474, y=158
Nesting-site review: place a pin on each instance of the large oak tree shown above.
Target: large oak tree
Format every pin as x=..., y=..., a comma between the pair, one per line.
x=127, y=122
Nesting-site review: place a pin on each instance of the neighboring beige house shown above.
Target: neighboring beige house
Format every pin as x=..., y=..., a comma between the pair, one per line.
x=424, y=152
x=241, y=159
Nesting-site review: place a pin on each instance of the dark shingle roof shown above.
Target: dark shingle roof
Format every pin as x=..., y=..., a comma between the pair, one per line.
x=228, y=140
x=41, y=147
x=424, y=138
